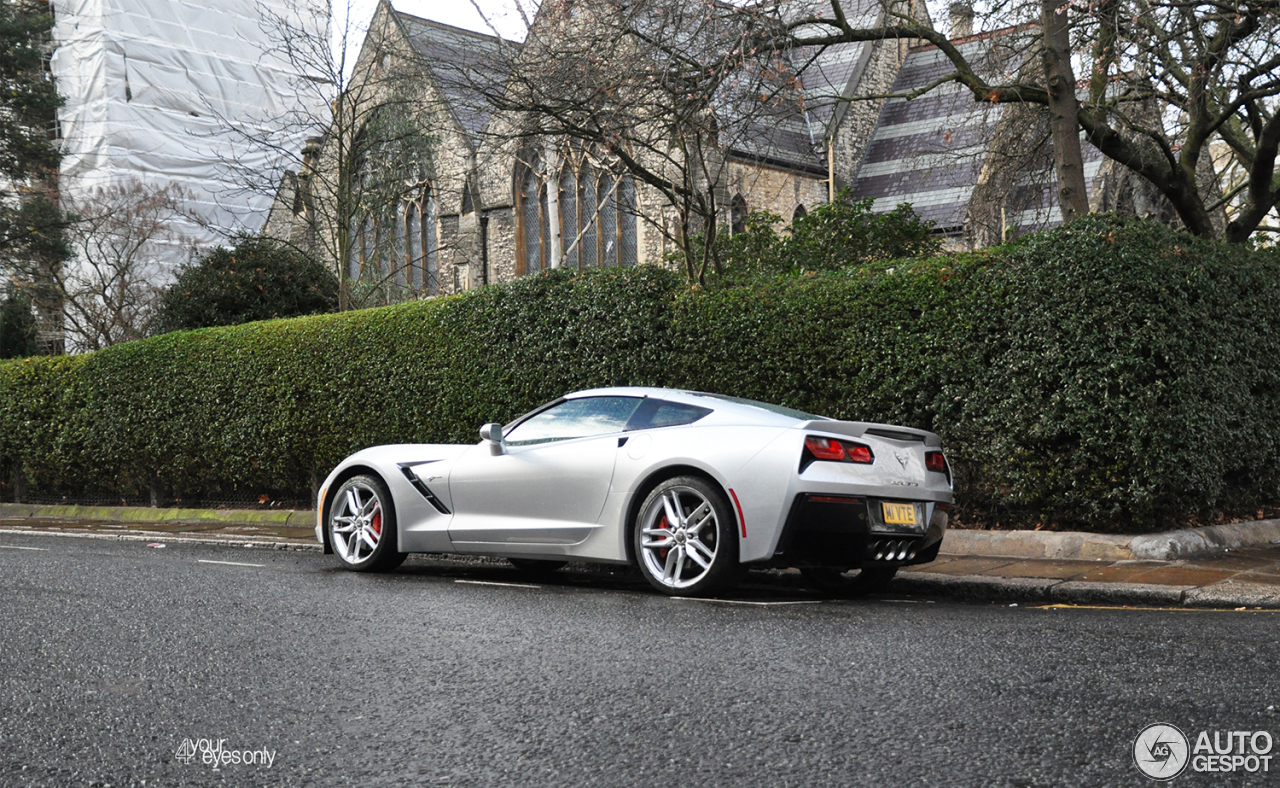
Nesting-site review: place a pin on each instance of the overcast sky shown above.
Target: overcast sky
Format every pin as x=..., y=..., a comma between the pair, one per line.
x=502, y=14
x=488, y=16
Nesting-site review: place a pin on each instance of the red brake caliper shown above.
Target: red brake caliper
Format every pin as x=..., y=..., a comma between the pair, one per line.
x=376, y=524
x=662, y=551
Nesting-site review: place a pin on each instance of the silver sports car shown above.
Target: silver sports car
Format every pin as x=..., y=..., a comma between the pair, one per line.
x=693, y=488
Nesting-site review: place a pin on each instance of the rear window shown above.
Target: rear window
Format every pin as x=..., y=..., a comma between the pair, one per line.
x=674, y=414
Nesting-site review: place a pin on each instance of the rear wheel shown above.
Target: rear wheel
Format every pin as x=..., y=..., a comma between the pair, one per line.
x=362, y=526
x=837, y=583
x=686, y=539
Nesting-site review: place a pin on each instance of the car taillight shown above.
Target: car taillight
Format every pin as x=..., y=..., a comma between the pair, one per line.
x=832, y=450
x=859, y=453
x=935, y=462
x=824, y=448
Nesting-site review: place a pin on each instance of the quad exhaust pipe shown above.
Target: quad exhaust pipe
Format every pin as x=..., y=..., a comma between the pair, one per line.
x=893, y=549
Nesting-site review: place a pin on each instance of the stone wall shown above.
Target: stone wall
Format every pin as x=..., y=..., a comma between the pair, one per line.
x=776, y=190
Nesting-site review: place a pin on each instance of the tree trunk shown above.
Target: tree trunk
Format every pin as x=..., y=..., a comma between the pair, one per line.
x=157, y=491
x=1064, y=109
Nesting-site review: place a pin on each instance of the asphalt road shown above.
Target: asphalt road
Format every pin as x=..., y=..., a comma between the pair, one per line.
x=112, y=654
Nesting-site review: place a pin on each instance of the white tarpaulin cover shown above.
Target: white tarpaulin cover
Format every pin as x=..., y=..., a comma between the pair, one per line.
x=152, y=89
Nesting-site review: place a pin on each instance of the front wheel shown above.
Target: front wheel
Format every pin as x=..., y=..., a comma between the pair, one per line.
x=685, y=538
x=834, y=582
x=362, y=526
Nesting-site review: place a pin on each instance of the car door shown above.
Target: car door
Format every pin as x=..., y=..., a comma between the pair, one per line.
x=550, y=483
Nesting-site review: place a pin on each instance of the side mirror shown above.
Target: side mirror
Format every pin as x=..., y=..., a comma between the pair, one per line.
x=493, y=433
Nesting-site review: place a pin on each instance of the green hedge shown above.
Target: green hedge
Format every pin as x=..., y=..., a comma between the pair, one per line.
x=1114, y=375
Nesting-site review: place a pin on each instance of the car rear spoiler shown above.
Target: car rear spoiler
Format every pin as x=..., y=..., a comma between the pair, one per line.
x=856, y=429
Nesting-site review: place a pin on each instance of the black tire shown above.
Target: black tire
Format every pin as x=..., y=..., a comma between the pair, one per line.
x=536, y=567
x=374, y=521
x=844, y=585
x=665, y=567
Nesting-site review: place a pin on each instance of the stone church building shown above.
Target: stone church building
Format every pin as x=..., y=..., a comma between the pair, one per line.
x=490, y=212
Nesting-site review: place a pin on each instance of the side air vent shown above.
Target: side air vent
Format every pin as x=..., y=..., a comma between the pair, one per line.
x=418, y=485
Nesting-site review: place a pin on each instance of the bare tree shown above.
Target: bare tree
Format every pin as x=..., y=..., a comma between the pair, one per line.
x=369, y=127
x=120, y=237
x=1165, y=79
x=634, y=85
x=1060, y=85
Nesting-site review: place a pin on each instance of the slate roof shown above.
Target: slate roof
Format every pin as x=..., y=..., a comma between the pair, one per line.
x=779, y=132
x=459, y=59
x=832, y=72
x=796, y=132
x=930, y=151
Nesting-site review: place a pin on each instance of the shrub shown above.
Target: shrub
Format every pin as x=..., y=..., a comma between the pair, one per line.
x=256, y=279
x=17, y=326
x=1110, y=375
x=831, y=237
x=1130, y=378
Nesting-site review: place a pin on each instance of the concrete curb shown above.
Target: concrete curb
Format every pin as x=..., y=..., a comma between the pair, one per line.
x=143, y=536
x=1172, y=545
x=145, y=514
x=1167, y=546
x=1040, y=591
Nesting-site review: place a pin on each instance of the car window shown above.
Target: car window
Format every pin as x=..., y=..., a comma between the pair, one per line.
x=575, y=418
x=674, y=414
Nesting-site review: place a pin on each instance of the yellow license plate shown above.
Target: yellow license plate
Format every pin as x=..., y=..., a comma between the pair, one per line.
x=899, y=513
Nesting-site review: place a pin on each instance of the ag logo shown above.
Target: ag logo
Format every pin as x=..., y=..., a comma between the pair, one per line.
x=1161, y=751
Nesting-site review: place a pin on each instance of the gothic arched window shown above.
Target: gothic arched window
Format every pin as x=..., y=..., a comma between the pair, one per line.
x=422, y=264
x=738, y=215
x=607, y=209
x=595, y=215
x=627, y=242
x=590, y=254
x=534, y=224
x=569, y=217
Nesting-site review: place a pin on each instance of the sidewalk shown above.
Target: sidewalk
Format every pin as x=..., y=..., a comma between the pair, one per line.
x=288, y=530
x=1006, y=567
x=1245, y=577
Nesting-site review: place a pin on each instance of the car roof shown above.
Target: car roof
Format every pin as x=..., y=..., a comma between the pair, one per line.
x=721, y=404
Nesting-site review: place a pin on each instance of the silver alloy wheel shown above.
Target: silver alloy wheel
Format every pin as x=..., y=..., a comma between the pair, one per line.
x=674, y=537
x=357, y=525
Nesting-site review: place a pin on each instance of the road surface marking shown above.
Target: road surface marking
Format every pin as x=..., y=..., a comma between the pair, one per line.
x=494, y=583
x=15, y=547
x=750, y=602
x=227, y=563
x=1164, y=609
